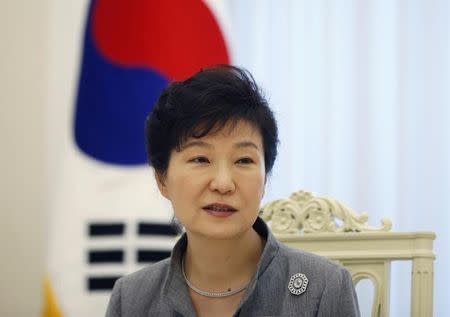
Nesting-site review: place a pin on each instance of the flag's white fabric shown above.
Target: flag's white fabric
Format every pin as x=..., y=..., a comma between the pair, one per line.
x=83, y=191
x=93, y=193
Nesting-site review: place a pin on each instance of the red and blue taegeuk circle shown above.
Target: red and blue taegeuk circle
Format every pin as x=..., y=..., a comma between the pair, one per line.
x=132, y=50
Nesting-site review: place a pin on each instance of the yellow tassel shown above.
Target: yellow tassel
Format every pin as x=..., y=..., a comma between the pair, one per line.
x=50, y=308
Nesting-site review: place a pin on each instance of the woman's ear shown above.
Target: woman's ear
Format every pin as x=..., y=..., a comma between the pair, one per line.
x=160, y=181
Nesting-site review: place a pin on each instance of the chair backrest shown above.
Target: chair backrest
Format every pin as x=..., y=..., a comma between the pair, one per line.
x=327, y=227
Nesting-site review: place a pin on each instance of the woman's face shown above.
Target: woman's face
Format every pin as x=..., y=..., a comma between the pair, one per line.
x=216, y=183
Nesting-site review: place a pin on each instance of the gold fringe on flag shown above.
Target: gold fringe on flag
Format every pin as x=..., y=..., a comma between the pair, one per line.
x=50, y=308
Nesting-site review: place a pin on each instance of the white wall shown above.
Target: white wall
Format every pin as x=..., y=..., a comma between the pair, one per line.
x=23, y=86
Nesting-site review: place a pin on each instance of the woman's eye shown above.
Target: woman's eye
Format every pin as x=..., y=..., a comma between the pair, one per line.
x=245, y=160
x=200, y=160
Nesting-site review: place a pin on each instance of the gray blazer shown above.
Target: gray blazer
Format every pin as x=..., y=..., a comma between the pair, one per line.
x=160, y=289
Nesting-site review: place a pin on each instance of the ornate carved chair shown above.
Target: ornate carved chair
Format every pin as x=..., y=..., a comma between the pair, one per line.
x=325, y=226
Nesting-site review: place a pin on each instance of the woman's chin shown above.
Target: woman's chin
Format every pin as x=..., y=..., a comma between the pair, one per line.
x=224, y=232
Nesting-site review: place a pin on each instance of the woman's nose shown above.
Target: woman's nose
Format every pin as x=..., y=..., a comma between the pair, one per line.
x=222, y=180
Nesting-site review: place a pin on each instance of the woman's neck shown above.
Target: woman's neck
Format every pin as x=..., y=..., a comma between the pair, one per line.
x=219, y=265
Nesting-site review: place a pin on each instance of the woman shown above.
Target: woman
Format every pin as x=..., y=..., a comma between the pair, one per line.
x=212, y=141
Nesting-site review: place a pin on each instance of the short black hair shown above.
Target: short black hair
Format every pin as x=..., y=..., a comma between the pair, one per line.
x=205, y=103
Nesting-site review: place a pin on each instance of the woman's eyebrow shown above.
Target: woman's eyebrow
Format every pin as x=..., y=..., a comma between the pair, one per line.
x=196, y=143
x=245, y=144
x=203, y=144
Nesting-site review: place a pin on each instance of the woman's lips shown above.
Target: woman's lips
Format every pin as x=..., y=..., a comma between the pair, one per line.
x=219, y=210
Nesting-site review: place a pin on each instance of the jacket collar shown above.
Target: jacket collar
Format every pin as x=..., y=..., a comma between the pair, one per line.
x=175, y=288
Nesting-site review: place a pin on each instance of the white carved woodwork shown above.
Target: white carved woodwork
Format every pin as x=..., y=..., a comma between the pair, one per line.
x=327, y=227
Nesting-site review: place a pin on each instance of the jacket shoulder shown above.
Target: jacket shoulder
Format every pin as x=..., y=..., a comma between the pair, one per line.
x=138, y=293
x=319, y=270
x=146, y=278
x=307, y=259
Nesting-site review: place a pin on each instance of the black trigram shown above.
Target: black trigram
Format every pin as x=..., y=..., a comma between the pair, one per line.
x=98, y=231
